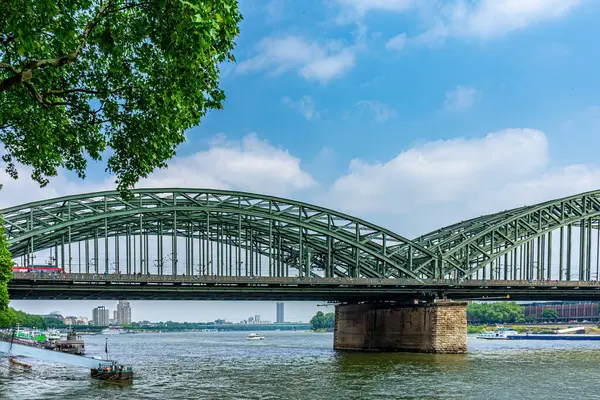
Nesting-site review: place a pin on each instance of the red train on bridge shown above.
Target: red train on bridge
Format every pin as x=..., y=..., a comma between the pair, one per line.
x=39, y=268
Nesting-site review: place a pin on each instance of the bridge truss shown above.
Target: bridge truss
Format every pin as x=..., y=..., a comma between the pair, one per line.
x=208, y=232
x=200, y=232
x=554, y=240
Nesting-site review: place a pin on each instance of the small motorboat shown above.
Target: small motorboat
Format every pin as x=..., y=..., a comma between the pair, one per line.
x=13, y=360
x=113, y=372
x=256, y=336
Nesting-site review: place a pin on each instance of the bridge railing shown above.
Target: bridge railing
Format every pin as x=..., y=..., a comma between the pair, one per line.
x=258, y=280
x=80, y=277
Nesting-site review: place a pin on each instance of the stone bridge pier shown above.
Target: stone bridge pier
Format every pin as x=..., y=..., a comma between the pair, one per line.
x=438, y=327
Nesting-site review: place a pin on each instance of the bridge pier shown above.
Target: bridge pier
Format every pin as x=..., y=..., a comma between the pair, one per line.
x=439, y=327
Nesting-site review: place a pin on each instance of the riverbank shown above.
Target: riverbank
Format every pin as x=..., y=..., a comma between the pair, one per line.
x=589, y=329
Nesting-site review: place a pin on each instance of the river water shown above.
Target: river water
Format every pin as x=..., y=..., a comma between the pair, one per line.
x=303, y=365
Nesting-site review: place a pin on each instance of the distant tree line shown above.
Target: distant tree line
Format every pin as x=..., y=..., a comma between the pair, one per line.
x=10, y=318
x=549, y=314
x=497, y=313
x=505, y=313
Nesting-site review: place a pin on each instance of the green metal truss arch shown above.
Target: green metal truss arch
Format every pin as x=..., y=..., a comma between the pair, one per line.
x=219, y=229
x=523, y=237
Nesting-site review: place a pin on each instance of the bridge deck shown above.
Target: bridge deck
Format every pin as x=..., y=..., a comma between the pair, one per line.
x=34, y=286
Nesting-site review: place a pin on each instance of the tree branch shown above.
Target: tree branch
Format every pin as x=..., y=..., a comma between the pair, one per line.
x=26, y=72
x=34, y=93
x=8, y=66
x=57, y=92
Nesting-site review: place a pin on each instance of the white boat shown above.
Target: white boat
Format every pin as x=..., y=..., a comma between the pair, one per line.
x=501, y=334
x=256, y=336
x=113, y=330
x=53, y=335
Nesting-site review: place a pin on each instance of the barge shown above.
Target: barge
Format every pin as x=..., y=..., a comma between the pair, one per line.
x=546, y=336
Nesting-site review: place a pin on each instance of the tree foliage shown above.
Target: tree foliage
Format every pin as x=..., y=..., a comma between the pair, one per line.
x=549, y=313
x=6, y=264
x=52, y=322
x=127, y=78
x=322, y=321
x=495, y=313
x=10, y=318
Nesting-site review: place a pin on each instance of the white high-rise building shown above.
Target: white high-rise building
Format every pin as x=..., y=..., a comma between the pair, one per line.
x=123, y=315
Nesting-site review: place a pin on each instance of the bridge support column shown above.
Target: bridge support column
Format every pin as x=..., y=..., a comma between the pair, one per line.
x=439, y=327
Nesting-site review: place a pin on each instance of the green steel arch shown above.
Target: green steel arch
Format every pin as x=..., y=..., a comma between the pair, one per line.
x=230, y=233
x=223, y=232
x=523, y=237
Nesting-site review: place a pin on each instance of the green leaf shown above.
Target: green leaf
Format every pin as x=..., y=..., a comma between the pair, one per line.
x=155, y=76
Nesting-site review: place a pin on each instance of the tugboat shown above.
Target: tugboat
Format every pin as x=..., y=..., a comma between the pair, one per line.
x=112, y=372
x=73, y=345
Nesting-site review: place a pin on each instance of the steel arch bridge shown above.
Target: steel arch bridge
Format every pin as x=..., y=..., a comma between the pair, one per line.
x=226, y=234
x=285, y=234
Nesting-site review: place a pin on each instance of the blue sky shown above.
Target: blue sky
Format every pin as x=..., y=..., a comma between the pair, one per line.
x=413, y=114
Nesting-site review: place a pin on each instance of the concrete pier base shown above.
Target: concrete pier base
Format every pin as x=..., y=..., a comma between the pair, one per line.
x=439, y=327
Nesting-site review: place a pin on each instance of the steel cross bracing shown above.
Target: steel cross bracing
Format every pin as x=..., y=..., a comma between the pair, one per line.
x=225, y=233
x=233, y=233
x=519, y=243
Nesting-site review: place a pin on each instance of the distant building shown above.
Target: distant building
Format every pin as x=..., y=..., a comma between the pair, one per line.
x=75, y=321
x=568, y=311
x=55, y=314
x=219, y=322
x=100, y=316
x=257, y=319
x=123, y=313
x=280, y=313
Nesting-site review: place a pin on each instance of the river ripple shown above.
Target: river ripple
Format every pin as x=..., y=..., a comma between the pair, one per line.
x=303, y=365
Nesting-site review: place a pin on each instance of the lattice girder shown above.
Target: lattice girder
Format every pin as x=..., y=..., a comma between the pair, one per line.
x=334, y=241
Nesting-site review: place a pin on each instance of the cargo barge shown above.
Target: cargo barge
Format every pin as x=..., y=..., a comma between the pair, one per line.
x=71, y=353
x=546, y=336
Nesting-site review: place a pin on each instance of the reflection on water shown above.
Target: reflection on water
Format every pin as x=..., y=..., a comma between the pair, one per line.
x=302, y=365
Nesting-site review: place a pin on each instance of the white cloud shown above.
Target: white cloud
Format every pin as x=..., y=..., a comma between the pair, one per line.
x=249, y=165
x=442, y=182
x=312, y=60
x=463, y=18
x=460, y=99
x=397, y=42
x=380, y=112
x=305, y=106
x=488, y=18
x=25, y=189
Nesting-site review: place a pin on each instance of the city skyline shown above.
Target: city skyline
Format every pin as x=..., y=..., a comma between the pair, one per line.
x=204, y=311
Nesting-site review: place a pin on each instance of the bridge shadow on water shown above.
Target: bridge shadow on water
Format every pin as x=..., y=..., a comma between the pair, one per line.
x=382, y=362
x=412, y=375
